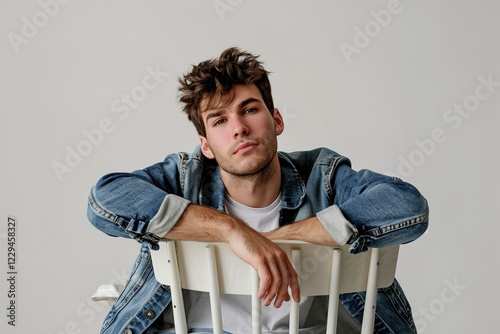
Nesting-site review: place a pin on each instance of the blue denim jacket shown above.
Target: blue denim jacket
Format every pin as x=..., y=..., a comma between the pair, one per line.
x=361, y=208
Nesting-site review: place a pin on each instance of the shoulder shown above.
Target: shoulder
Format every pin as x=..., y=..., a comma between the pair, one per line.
x=189, y=157
x=190, y=162
x=317, y=156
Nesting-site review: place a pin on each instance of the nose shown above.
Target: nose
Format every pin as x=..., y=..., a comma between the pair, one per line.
x=240, y=128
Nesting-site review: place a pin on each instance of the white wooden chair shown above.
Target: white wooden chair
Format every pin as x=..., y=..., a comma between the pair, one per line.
x=322, y=270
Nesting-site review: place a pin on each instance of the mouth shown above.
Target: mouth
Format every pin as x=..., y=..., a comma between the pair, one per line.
x=245, y=147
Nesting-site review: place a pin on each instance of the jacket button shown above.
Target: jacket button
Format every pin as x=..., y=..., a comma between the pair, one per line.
x=150, y=314
x=128, y=331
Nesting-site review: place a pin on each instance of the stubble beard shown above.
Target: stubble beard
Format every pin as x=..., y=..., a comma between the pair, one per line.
x=259, y=172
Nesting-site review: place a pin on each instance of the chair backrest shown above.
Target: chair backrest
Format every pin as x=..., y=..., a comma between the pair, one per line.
x=322, y=270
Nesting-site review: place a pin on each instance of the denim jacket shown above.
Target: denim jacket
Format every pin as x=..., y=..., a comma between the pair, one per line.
x=361, y=208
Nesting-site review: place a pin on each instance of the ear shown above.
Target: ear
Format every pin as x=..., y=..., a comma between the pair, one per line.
x=279, y=124
x=205, y=149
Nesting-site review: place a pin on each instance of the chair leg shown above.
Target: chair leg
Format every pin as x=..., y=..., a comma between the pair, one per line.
x=294, y=306
x=333, y=301
x=256, y=305
x=213, y=281
x=371, y=294
x=176, y=290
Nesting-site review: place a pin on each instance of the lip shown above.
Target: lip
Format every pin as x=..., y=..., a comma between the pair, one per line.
x=243, y=147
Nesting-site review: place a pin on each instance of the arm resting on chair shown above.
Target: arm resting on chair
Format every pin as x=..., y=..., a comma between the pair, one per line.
x=275, y=271
x=310, y=230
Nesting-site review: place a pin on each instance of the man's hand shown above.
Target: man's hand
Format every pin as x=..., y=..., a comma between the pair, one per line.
x=271, y=262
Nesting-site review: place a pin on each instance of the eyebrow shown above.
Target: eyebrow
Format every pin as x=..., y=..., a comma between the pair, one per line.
x=248, y=101
x=242, y=104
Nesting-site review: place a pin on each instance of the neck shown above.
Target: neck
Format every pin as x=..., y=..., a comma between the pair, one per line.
x=257, y=190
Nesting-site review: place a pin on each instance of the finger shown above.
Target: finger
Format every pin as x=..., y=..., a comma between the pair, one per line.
x=281, y=279
x=288, y=278
x=264, y=281
x=274, y=285
x=282, y=294
x=294, y=284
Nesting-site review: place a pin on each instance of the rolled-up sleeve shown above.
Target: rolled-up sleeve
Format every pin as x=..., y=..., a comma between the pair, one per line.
x=169, y=213
x=339, y=228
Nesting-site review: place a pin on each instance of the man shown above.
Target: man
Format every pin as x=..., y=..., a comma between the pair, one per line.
x=238, y=189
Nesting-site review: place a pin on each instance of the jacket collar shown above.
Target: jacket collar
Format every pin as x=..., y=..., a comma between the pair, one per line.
x=293, y=189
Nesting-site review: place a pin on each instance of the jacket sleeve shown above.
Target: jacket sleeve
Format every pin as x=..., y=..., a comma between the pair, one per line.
x=373, y=210
x=142, y=205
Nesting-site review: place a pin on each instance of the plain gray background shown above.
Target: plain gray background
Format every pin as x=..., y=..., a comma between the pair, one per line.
x=382, y=82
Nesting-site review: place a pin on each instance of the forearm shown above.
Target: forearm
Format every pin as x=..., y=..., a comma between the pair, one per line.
x=275, y=271
x=200, y=223
x=308, y=230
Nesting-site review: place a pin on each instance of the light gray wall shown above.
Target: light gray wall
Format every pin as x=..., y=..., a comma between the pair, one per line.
x=391, y=96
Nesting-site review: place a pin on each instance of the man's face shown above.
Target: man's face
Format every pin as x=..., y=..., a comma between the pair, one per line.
x=242, y=135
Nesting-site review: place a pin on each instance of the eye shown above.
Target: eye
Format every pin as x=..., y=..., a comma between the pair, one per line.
x=219, y=122
x=250, y=110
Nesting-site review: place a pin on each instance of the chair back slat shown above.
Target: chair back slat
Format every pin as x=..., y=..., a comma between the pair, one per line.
x=322, y=270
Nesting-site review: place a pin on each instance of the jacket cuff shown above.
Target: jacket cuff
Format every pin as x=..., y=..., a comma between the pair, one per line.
x=167, y=216
x=340, y=229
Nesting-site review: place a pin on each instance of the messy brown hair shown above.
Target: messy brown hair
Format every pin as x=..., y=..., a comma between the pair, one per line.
x=212, y=80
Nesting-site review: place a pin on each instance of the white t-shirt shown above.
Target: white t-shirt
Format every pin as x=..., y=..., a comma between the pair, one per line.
x=236, y=309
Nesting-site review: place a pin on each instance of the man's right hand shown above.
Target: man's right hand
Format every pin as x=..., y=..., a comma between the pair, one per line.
x=275, y=271
x=271, y=262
